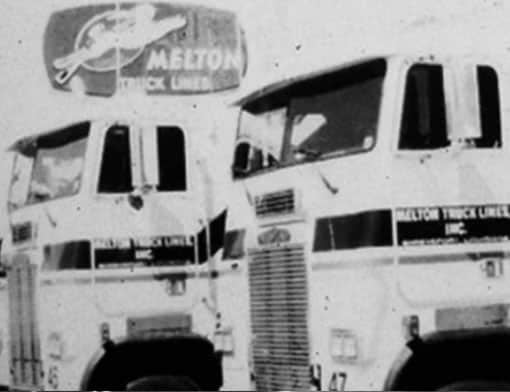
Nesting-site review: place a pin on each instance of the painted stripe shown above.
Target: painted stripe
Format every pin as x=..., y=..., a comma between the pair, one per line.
x=71, y=255
x=76, y=255
x=451, y=257
x=351, y=263
x=361, y=230
x=133, y=277
x=216, y=228
x=415, y=227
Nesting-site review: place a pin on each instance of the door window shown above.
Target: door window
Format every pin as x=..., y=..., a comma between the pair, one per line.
x=115, y=175
x=423, y=123
x=490, y=108
x=172, y=159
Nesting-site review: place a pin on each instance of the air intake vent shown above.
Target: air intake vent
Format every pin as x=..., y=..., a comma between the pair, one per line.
x=279, y=303
x=22, y=232
x=275, y=203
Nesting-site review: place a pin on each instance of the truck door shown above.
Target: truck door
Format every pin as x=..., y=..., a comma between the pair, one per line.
x=451, y=204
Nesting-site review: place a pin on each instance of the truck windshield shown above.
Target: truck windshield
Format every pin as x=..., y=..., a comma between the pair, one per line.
x=332, y=114
x=48, y=167
x=117, y=160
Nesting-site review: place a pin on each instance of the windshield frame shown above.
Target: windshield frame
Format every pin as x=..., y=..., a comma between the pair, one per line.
x=84, y=131
x=288, y=91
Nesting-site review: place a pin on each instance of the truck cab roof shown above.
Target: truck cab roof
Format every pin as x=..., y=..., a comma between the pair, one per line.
x=440, y=56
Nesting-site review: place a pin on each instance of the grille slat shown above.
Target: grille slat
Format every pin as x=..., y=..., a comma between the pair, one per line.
x=263, y=274
x=280, y=293
x=275, y=252
x=279, y=306
x=25, y=353
x=282, y=352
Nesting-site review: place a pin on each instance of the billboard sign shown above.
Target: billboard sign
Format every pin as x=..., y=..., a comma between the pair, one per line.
x=156, y=48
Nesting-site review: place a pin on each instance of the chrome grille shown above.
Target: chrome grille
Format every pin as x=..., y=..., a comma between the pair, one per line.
x=25, y=350
x=279, y=307
x=275, y=203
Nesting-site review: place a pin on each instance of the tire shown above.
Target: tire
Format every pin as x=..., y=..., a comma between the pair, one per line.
x=163, y=383
x=477, y=385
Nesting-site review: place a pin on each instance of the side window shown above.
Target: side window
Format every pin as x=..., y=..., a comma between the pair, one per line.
x=490, y=108
x=115, y=175
x=423, y=123
x=172, y=159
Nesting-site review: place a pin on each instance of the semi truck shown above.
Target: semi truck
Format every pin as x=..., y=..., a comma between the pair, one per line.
x=371, y=218
x=115, y=217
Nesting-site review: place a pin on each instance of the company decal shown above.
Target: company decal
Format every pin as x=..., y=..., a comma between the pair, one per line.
x=453, y=224
x=177, y=250
x=143, y=251
x=155, y=48
x=274, y=236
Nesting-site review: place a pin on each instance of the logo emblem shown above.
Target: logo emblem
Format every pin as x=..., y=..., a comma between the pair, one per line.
x=274, y=236
x=115, y=39
x=153, y=48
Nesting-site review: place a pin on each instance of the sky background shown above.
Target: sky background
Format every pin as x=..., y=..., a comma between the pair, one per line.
x=284, y=37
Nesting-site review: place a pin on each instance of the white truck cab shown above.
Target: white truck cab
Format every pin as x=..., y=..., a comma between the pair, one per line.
x=115, y=212
x=373, y=210
x=111, y=257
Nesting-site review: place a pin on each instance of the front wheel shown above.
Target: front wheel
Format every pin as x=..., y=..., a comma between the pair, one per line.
x=163, y=383
x=477, y=385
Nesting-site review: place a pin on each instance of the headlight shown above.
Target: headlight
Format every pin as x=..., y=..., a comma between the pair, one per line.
x=344, y=345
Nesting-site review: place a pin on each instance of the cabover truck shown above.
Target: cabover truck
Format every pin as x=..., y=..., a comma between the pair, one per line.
x=114, y=237
x=115, y=214
x=372, y=222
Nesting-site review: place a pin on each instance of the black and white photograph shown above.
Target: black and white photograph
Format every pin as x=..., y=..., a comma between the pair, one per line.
x=255, y=195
